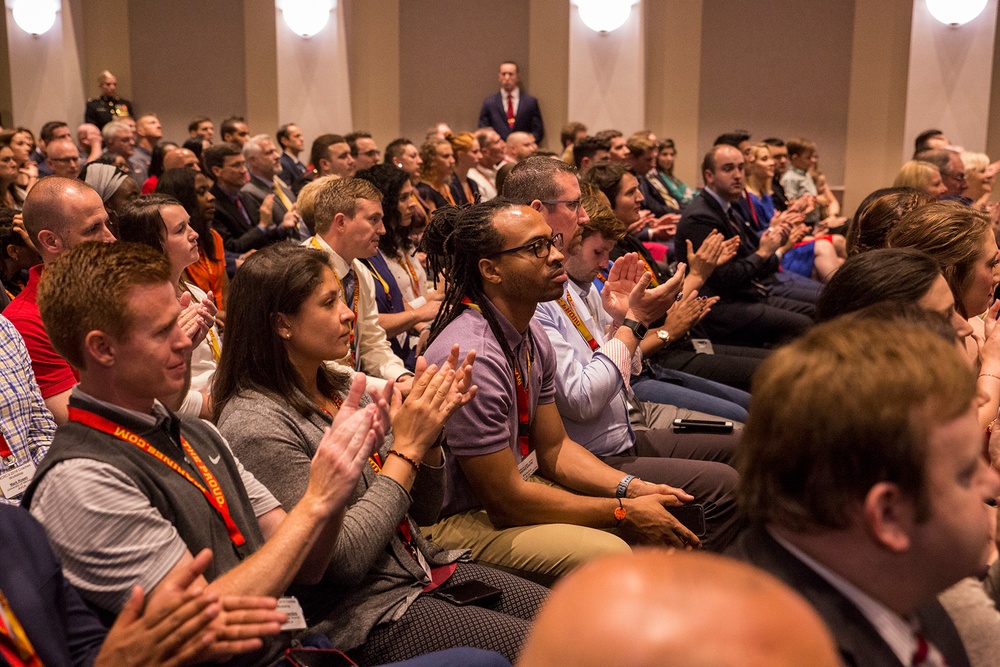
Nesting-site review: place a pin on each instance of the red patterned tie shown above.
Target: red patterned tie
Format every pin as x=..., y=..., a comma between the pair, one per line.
x=510, y=110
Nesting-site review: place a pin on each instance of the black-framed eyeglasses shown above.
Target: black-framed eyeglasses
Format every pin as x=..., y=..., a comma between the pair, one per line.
x=540, y=247
x=572, y=204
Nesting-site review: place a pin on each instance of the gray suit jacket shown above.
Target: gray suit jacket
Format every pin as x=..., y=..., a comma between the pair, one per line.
x=253, y=193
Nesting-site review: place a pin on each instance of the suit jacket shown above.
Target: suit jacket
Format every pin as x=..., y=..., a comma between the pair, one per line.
x=61, y=628
x=290, y=169
x=735, y=279
x=237, y=234
x=528, y=118
x=253, y=194
x=859, y=643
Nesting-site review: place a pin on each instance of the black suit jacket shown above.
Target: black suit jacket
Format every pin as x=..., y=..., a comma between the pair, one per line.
x=859, y=643
x=237, y=234
x=734, y=279
x=528, y=118
x=290, y=169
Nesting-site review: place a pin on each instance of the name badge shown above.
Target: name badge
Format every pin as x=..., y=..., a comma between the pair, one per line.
x=296, y=619
x=702, y=346
x=16, y=480
x=528, y=465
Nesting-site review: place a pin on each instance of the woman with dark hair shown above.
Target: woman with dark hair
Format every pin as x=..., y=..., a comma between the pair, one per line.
x=16, y=254
x=22, y=142
x=156, y=166
x=664, y=173
x=960, y=240
x=11, y=196
x=275, y=396
x=160, y=222
x=194, y=191
x=403, y=314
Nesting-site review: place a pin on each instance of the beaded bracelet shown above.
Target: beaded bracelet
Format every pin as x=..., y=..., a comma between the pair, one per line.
x=415, y=464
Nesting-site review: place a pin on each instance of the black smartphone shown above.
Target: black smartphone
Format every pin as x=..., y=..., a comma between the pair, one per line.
x=702, y=426
x=469, y=592
x=691, y=517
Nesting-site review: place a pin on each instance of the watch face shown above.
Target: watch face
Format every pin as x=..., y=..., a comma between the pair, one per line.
x=663, y=335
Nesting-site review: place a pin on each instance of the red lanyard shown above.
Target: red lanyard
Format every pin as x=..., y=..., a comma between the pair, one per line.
x=753, y=210
x=216, y=498
x=15, y=646
x=523, y=414
x=570, y=309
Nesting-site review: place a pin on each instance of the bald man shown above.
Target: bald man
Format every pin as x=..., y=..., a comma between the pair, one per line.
x=59, y=213
x=63, y=158
x=520, y=146
x=657, y=608
x=180, y=158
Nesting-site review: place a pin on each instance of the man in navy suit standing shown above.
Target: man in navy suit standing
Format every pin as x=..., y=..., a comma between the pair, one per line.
x=511, y=110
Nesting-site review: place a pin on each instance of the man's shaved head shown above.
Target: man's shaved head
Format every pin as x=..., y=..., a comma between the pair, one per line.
x=657, y=608
x=179, y=158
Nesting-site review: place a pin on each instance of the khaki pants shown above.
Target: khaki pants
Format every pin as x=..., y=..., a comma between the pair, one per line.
x=542, y=553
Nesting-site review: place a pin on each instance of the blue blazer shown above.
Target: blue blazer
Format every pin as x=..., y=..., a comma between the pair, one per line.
x=528, y=118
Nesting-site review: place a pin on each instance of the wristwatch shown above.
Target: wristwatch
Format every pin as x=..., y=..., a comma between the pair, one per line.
x=663, y=335
x=638, y=328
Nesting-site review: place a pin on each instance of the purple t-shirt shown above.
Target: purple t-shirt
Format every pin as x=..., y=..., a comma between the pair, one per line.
x=489, y=422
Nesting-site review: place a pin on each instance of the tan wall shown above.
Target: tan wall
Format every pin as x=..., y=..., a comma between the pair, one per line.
x=450, y=52
x=183, y=68
x=373, y=63
x=548, y=64
x=778, y=68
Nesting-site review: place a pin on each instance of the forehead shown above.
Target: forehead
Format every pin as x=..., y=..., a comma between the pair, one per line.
x=339, y=148
x=569, y=187
x=727, y=157
x=366, y=141
x=520, y=224
x=230, y=160
x=365, y=208
x=508, y=68
x=151, y=306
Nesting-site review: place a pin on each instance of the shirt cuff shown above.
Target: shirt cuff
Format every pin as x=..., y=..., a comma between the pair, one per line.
x=617, y=352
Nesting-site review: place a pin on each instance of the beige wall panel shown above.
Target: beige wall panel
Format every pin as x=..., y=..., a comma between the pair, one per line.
x=373, y=59
x=548, y=63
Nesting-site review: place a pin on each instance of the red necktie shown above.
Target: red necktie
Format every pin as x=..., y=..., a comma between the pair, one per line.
x=510, y=110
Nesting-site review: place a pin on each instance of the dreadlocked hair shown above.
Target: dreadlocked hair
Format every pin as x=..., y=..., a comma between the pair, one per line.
x=456, y=238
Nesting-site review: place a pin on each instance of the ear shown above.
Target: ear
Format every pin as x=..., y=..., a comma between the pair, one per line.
x=49, y=242
x=488, y=270
x=11, y=251
x=282, y=326
x=339, y=221
x=324, y=165
x=536, y=204
x=100, y=348
x=889, y=516
x=215, y=173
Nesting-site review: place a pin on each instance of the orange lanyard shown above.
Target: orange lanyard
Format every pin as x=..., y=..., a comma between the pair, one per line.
x=523, y=412
x=14, y=643
x=570, y=310
x=414, y=280
x=215, y=497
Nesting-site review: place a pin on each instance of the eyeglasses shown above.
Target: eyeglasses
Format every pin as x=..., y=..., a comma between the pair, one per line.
x=572, y=204
x=72, y=158
x=540, y=247
x=958, y=177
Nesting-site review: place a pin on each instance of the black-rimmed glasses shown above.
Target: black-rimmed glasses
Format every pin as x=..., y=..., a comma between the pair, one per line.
x=540, y=247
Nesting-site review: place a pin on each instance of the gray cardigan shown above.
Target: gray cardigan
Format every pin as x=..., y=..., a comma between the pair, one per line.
x=371, y=578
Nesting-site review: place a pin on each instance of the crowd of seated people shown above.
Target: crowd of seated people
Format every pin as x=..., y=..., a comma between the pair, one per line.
x=265, y=398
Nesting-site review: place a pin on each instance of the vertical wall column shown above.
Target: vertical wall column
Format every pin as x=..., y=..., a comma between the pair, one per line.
x=549, y=64
x=877, y=100
x=607, y=78
x=951, y=71
x=673, y=77
x=373, y=60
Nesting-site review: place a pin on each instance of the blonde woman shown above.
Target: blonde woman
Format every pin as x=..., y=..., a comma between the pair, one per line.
x=922, y=176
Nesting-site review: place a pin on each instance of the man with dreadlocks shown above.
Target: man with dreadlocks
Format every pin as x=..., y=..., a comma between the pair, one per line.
x=522, y=495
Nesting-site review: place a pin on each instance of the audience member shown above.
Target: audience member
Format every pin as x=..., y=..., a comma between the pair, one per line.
x=234, y=130
x=11, y=196
x=330, y=155
x=129, y=351
x=22, y=142
x=276, y=399
x=511, y=110
x=160, y=222
x=434, y=188
x=62, y=158
x=617, y=144
x=404, y=313
x=748, y=312
x=51, y=131
x=930, y=140
x=922, y=176
x=194, y=192
x=148, y=133
x=27, y=424
x=878, y=214
x=662, y=175
x=590, y=151
x=949, y=163
x=292, y=143
x=520, y=146
x=521, y=494
x=738, y=139
x=265, y=197
x=89, y=141
x=484, y=173
x=797, y=181
x=465, y=147
x=107, y=106
x=869, y=516
x=114, y=187
x=979, y=176
x=654, y=608
x=226, y=164
x=779, y=151
x=17, y=254
x=202, y=128
x=348, y=224
x=571, y=132
x=364, y=150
